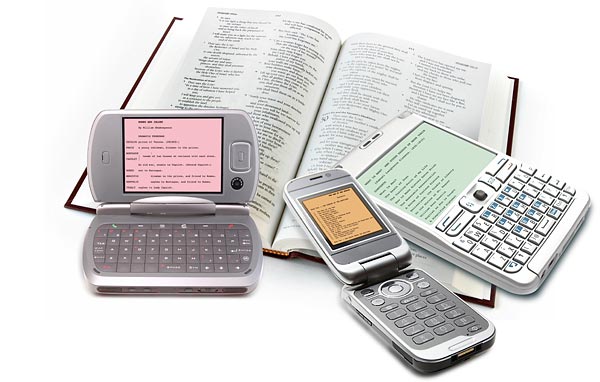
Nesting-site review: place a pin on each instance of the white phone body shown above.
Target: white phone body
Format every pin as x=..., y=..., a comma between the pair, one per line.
x=519, y=267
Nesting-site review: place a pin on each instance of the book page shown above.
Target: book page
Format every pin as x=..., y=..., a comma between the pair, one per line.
x=375, y=78
x=273, y=65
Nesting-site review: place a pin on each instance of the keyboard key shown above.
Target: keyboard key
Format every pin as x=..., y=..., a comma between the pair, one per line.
x=425, y=313
x=545, y=226
x=193, y=268
x=505, y=224
x=542, y=177
x=489, y=216
x=503, y=199
x=207, y=268
x=540, y=206
x=124, y=267
x=235, y=268
x=137, y=268
x=474, y=234
x=481, y=225
x=408, y=300
x=528, y=170
x=444, y=306
x=151, y=268
x=546, y=198
x=464, y=243
x=459, y=225
x=525, y=199
x=434, y=321
x=172, y=268
x=510, y=191
x=559, y=184
x=569, y=190
x=565, y=197
x=396, y=314
x=165, y=259
x=559, y=205
x=138, y=259
x=449, y=218
x=536, y=184
x=193, y=259
x=521, y=258
x=526, y=222
x=529, y=248
x=512, y=215
x=469, y=205
x=495, y=166
x=531, y=191
x=516, y=185
x=388, y=308
x=512, y=267
x=377, y=301
x=496, y=207
x=443, y=329
x=428, y=292
x=415, y=329
x=436, y=298
x=209, y=259
x=482, y=252
x=522, y=177
x=404, y=322
x=534, y=214
x=498, y=233
x=491, y=181
x=519, y=207
x=551, y=191
x=108, y=267
x=423, y=338
x=521, y=231
x=513, y=240
x=490, y=242
x=506, y=172
x=233, y=259
x=498, y=260
x=506, y=250
x=464, y=321
x=454, y=313
x=152, y=259
x=536, y=238
x=221, y=268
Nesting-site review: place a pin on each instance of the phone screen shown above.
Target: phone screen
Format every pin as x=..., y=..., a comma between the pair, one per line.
x=342, y=216
x=172, y=155
x=425, y=171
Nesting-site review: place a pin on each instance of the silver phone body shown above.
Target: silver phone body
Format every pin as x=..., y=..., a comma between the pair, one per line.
x=530, y=277
x=228, y=206
x=349, y=264
x=355, y=263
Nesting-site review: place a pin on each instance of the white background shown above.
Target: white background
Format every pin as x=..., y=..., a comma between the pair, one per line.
x=63, y=62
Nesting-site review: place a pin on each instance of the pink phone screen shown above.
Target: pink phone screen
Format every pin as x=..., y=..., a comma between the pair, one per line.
x=172, y=155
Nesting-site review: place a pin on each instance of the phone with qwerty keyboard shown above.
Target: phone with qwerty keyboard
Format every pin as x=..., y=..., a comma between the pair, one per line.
x=484, y=211
x=174, y=187
x=425, y=322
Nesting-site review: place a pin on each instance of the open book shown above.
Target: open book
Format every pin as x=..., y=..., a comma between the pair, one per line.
x=312, y=99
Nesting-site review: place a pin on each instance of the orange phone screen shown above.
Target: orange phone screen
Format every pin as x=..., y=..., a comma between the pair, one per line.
x=342, y=216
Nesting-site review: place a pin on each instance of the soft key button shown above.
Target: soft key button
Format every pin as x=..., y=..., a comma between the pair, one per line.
x=239, y=159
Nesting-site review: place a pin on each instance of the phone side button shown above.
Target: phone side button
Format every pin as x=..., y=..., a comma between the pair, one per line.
x=461, y=344
x=364, y=318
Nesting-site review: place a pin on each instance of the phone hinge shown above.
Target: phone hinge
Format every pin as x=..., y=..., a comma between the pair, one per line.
x=232, y=209
x=172, y=206
x=381, y=268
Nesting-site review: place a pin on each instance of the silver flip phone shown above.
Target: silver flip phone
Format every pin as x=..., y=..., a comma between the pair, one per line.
x=425, y=322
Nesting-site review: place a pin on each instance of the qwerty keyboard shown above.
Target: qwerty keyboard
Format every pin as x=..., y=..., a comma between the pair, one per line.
x=509, y=231
x=420, y=310
x=172, y=248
